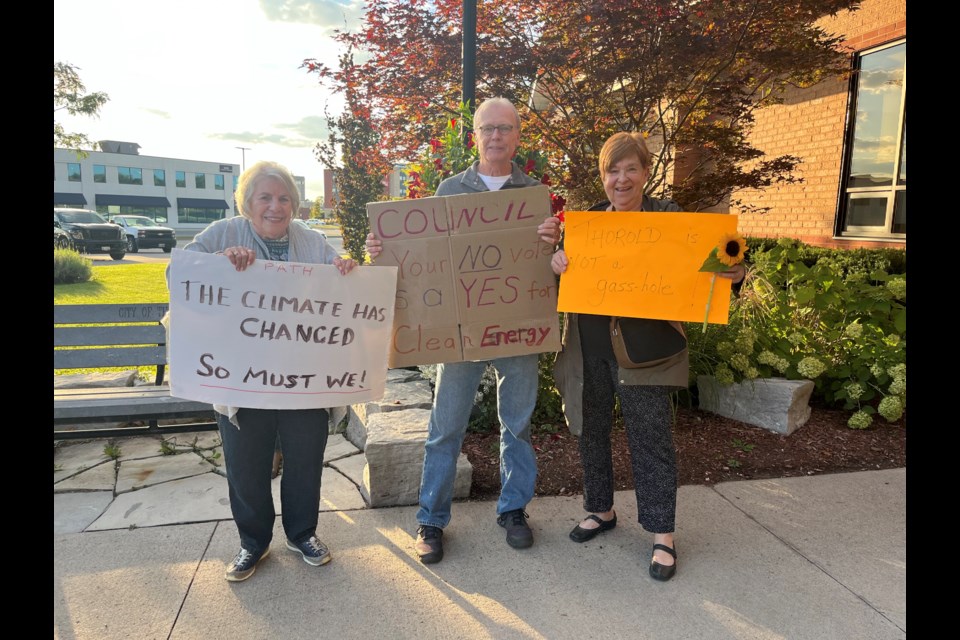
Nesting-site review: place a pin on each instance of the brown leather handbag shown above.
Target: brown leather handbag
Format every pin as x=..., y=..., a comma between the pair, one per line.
x=640, y=342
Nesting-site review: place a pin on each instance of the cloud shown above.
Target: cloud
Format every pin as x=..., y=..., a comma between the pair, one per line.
x=880, y=80
x=159, y=113
x=314, y=127
x=263, y=139
x=330, y=14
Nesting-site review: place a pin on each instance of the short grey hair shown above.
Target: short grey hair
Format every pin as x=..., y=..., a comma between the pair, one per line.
x=496, y=102
x=264, y=169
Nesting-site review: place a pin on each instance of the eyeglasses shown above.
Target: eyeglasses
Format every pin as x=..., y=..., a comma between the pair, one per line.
x=487, y=130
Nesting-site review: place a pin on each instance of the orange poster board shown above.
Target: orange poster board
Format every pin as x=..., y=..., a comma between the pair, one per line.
x=643, y=265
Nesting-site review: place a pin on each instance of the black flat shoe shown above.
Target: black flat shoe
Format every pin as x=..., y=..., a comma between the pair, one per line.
x=663, y=572
x=579, y=534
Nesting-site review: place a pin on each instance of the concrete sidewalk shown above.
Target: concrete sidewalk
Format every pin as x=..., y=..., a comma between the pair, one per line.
x=813, y=557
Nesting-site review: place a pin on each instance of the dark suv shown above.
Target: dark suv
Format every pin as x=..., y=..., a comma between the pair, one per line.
x=90, y=232
x=143, y=233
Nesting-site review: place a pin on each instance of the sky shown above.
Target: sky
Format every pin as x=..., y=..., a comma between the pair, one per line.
x=196, y=79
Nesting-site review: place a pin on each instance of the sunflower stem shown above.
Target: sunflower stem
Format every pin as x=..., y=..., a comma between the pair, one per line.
x=706, y=314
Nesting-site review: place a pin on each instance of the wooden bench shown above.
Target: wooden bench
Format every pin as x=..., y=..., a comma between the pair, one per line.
x=126, y=335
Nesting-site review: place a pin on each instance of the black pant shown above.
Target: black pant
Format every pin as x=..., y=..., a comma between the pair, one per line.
x=648, y=417
x=248, y=453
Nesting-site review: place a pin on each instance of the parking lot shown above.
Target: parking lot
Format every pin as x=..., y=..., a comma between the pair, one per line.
x=334, y=237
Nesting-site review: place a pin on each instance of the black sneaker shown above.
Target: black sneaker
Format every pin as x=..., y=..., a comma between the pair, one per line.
x=519, y=535
x=244, y=564
x=313, y=551
x=429, y=544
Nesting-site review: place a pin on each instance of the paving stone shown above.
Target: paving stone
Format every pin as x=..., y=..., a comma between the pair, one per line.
x=73, y=512
x=337, y=493
x=197, y=499
x=102, y=477
x=138, y=447
x=70, y=457
x=137, y=474
x=352, y=468
x=339, y=447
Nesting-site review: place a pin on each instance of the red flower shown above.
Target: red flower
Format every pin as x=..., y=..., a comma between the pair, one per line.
x=453, y=123
x=546, y=180
x=557, y=203
x=530, y=166
x=435, y=144
x=438, y=163
x=470, y=141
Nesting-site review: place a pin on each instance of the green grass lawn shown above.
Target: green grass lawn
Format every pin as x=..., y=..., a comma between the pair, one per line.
x=117, y=284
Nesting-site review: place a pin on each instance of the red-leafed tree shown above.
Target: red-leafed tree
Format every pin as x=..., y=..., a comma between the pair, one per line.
x=688, y=73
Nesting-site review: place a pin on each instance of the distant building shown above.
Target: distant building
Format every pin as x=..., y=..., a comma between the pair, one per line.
x=184, y=194
x=393, y=185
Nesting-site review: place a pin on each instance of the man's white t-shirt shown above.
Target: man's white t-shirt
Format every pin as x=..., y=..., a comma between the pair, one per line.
x=494, y=182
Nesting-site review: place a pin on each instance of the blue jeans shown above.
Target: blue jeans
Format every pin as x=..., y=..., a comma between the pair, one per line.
x=248, y=452
x=457, y=383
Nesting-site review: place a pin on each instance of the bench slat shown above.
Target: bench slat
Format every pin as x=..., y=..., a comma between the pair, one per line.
x=82, y=313
x=108, y=357
x=124, y=403
x=113, y=335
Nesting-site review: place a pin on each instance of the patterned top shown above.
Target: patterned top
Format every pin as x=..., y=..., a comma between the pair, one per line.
x=279, y=249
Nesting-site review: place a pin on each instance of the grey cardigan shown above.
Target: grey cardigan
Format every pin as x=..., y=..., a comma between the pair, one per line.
x=306, y=245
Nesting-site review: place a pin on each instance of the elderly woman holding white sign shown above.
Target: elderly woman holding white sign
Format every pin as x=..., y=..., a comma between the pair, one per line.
x=639, y=360
x=267, y=199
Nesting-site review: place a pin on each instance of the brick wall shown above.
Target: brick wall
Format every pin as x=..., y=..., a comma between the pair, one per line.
x=810, y=124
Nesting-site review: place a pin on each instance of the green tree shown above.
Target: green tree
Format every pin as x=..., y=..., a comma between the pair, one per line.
x=316, y=210
x=353, y=152
x=70, y=95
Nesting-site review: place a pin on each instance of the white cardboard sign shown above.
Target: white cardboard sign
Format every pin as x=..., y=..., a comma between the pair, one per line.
x=279, y=335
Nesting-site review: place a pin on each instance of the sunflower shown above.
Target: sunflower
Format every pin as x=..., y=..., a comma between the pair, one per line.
x=731, y=248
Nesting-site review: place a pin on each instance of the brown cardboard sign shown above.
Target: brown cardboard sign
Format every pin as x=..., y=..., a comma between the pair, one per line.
x=473, y=278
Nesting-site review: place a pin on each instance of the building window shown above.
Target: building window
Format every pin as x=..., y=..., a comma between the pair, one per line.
x=73, y=171
x=181, y=179
x=129, y=175
x=99, y=173
x=159, y=178
x=201, y=181
x=198, y=215
x=218, y=182
x=875, y=183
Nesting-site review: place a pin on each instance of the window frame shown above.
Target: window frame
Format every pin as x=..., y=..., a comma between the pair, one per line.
x=895, y=192
x=134, y=175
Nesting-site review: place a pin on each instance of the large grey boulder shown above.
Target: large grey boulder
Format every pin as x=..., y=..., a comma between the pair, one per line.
x=777, y=404
x=392, y=432
x=398, y=396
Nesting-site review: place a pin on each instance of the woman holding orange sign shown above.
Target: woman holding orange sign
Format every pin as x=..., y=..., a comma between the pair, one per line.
x=639, y=360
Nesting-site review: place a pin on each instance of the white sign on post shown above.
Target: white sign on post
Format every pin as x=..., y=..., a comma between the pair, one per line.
x=279, y=335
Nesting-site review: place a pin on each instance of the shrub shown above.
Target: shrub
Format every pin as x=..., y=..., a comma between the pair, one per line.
x=69, y=267
x=836, y=317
